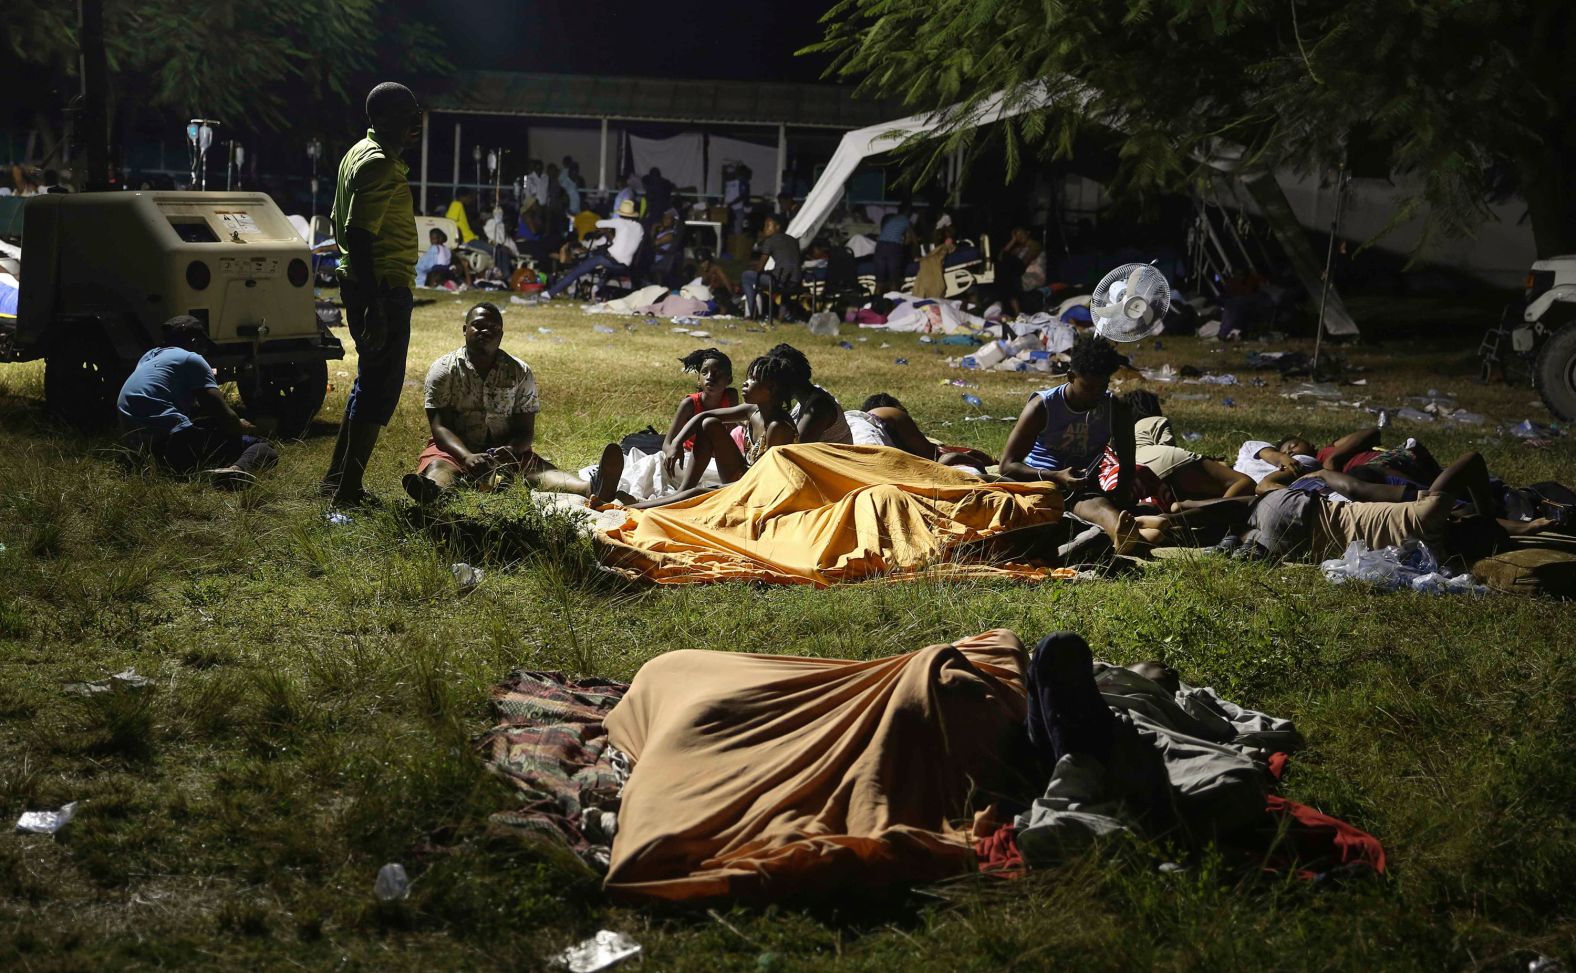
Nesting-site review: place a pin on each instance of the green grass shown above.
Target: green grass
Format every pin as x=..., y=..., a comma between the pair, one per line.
x=318, y=690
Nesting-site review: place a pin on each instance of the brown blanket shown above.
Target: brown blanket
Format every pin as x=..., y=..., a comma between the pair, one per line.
x=763, y=775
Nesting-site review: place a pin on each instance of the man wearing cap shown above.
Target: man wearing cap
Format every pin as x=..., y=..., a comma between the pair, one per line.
x=616, y=256
x=375, y=225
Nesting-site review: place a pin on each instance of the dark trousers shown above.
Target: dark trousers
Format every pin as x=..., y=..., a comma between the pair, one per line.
x=599, y=259
x=380, y=375
x=1066, y=712
x=200, y=447
x=889, y=266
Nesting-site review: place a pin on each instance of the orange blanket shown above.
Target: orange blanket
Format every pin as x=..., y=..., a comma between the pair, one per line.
x=764, y=775
x=819, y=513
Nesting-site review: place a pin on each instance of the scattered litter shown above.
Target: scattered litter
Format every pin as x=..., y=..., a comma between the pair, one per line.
x=1213, y=379
x=824, y=324
x=973, y=399
x=1192, y=437
x=861, y=338
x=127, y=679
x=1165, y=373
x=337, y=519
x=1463, y=416
x=2, y=548
x=392, y=883
x=700, y=334
x=1360, y=381
x=602, y=951
x=1189, y=397
x=467, y=576
x=846, y=345
x=603, y=329
x=544, y=330
x=901, y=361
x=1545, y=964
x=886, y=344
x=1411, y=565
x=1158, y=345
x=1229, y=402
x=1527, y=429
x=1412, y=415
x=681, y=330
x=1313, y=390
x=46, y=822
x=924, y=339
x=960, y=383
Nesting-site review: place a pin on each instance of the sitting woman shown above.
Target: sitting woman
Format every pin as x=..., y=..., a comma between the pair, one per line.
x=437, y=267
x=1189, y=475
x=817, y=416
x=883, y=421
x=650, y=475
x=738, y=436
x=1062, y=434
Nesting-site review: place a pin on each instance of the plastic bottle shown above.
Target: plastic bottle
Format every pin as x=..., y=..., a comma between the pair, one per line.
x=392, y=883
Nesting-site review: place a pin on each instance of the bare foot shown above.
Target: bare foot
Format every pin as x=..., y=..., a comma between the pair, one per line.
x=605, y=484
x=1125, y=538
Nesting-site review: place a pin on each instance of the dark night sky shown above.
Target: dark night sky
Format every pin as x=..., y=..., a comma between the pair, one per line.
x=745, y=40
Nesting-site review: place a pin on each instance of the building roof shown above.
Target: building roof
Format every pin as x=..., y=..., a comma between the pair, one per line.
x=661, y=100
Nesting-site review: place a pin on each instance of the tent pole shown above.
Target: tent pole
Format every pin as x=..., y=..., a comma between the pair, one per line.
x=426, y=140
x=782, y=154
x=1329, y=260
x=456, y=159
x=601, y=163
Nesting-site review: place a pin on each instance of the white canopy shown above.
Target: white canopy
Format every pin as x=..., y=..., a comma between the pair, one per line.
x=862, y=143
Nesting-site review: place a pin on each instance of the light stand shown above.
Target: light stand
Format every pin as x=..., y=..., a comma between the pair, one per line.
x=314, y=151
x=199, y=138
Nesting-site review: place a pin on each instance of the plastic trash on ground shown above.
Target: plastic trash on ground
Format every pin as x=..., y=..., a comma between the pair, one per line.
x=1411, y=565
x=392, y=883
x=1412, y=415
x=602, y=951
x=336, y=518
x=126, y=679
x=46, y=822
x=825, y=324
x=467, y=576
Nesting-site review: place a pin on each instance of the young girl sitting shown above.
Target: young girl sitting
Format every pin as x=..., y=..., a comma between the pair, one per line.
x=651, y=475
x=737, y=437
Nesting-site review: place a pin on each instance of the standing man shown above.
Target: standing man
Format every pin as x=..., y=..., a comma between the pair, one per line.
x=375, y=224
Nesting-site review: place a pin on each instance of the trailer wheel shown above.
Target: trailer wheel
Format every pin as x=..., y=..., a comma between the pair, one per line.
x=289, y=392
x=1555, y=372
x=83, y=376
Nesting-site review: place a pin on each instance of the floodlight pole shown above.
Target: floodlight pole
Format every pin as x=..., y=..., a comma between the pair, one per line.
x=1329, y=260
x=93, y=121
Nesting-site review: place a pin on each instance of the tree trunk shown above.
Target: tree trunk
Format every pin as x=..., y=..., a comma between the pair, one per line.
x=1546, y=185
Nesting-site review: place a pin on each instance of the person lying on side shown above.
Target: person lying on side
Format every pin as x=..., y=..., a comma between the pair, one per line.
x=481, y=406
x=884, y=421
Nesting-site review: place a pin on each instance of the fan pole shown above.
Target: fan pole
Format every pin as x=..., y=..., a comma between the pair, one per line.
x=1329, y=260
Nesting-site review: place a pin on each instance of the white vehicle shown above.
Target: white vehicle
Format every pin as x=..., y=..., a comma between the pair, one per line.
x=1547, y=334
x=102, y=271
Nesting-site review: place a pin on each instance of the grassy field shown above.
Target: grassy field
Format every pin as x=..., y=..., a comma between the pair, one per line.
x=318, y=688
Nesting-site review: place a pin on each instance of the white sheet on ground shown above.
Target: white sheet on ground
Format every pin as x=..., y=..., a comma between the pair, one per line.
x=631, y=302
x=645, y=477
x=930, y=315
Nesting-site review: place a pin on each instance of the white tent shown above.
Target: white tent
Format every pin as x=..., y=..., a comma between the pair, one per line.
x=862, y=143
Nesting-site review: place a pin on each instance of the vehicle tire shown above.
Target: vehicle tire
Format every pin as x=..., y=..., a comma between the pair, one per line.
x=290, y=393
x=83, y=376
x=1554, y=374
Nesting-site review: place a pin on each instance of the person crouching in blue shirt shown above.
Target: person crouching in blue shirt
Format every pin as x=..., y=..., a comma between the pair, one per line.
x=1062, y=434
x=172, y=406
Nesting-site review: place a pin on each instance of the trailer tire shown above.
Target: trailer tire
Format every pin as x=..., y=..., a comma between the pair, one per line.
x=82, y=377
x=1554, y=374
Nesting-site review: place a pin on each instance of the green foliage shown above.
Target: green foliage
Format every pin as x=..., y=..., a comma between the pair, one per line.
x=263, y=63
x=1454, y=93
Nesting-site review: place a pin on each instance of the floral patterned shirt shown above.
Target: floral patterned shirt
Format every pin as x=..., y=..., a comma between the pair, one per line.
x=479, y=408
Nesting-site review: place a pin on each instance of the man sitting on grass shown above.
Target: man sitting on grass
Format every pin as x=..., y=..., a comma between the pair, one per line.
x=481, y=404
x=171, y=405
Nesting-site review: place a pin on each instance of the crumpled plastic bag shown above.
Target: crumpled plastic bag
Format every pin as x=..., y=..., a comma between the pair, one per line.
x=125, y=679
x=825, y=324
x=46, y=822
x=1409, y=565
x=600, y=952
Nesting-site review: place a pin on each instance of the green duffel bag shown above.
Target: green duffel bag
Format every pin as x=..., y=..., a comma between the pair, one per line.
x=1529, y=571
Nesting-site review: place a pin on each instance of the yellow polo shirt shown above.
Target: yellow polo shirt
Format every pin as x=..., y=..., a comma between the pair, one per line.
x=373, y=194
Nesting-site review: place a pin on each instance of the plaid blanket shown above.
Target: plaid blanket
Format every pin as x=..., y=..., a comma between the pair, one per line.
x=550, y=743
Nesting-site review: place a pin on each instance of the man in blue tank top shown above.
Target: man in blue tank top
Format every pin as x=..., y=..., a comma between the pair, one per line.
x=1062, y=433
